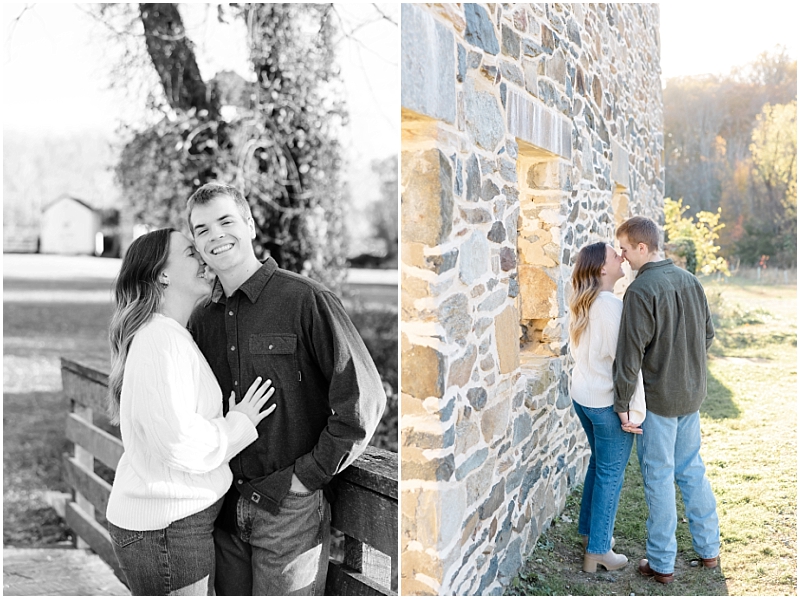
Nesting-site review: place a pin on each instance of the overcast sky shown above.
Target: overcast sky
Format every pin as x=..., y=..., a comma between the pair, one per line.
x=56, y=71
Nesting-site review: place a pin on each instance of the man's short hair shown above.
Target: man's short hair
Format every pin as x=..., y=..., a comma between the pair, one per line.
x=212, y=190
x=640, y=229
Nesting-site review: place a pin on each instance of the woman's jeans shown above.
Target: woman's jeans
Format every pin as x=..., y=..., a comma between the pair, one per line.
x=611, y=448
x=669, y=453
x=177, y=560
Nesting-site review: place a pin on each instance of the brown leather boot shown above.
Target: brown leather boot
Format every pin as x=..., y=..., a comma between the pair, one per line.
x=646, y=570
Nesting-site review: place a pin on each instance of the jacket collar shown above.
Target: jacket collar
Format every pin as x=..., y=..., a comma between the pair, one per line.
x=252, y=287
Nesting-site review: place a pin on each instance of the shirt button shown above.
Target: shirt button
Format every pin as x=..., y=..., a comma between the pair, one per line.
x=239, y=482
x=271, y=346
x=230, y=313
x=233, y=348
x=236, y=383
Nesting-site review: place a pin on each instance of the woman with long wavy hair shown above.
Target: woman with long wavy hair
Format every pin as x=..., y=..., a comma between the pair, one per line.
x=594, y=327
x=174, y=472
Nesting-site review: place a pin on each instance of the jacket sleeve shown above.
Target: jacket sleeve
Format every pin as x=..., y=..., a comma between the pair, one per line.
x=164, y=405
x=636, y=330
x=356, y=395
x=709, y=325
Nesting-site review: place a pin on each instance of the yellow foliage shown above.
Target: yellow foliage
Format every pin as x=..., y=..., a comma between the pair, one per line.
x=701, y=232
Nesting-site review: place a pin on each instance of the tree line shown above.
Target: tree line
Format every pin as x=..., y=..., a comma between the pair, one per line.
x=731, y=147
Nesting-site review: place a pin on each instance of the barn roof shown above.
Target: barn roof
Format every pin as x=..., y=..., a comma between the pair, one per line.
x=67, y=196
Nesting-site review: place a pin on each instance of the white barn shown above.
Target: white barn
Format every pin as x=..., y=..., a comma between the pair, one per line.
x=70, y=226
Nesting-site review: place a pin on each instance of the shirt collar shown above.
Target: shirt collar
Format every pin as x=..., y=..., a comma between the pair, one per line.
x=252, y=287
x=656, y=264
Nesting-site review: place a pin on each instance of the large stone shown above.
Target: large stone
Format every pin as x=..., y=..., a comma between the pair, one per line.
x=539, y=126
x=476, y=216
x=423, y=371
x=415, y=465
x=494, y=501
x=474, y=262
x=480, y=29
x=473, y=462
x=510, y=41
x=508, y=259
x=539, y=293
x=473, y=179
x=507, y=336
x=454, y=317
x=477, y=397
x=512, y=73
x=428, y=69
x=497, y=233
x=484, y=121
x=427, y=199
x=494, y=421
x=493, y=301
x=442, y=263
x=489, y=190
x=523, y=427
x=460, y=369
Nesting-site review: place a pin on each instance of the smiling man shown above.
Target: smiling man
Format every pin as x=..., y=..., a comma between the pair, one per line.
x=665, y=331
x=273, y=534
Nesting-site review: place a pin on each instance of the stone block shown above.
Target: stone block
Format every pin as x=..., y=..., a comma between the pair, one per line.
x=539, y=293
x=454, y=316
x=474, y=260
x=494, y=421
x=494, y=301
x=423, y=371
x=479, y=29
x=467, y=436
x=484, y=120
x=541, y=127
x=460, y=369
x=427, y=199
x=477, y=397
x=415, y=465
x=507, y=335
x=428, y=69
x=473, y=462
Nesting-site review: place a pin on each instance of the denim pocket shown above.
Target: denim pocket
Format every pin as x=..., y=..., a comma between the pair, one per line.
x=123, y=537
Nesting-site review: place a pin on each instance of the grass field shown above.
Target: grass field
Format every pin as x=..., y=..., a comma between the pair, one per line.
x=750, y=449
x=53, y=309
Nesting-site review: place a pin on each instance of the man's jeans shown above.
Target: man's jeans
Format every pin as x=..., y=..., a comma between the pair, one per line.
x=177, y=560
x=669, y=450
x=611, y=449
x=273, y=555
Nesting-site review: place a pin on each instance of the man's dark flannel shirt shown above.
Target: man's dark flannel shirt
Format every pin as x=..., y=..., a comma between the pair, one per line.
x=329, y=396
x=665, y=330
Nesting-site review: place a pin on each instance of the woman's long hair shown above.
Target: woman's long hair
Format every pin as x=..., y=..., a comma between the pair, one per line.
x=137, y=294
x=585, y=287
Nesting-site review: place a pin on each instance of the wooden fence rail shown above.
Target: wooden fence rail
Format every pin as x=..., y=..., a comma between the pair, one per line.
x=365, y=510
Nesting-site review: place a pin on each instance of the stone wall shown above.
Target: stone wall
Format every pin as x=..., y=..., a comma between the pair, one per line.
x=528, y=131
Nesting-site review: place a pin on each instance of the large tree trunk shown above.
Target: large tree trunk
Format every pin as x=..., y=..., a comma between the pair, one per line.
x=173, y=57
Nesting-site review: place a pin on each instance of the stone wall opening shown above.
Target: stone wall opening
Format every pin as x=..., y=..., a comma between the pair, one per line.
x=543, y=190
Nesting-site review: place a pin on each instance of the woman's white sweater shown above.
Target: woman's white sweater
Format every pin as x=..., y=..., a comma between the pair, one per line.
x=592, y=381
x=176, y=442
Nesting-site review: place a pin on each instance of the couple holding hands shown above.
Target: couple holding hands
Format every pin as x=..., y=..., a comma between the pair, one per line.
x=229, y=497
x=652, y=345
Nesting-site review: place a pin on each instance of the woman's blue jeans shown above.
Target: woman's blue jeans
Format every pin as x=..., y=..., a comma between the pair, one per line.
x=177, y=560
x=611, y=448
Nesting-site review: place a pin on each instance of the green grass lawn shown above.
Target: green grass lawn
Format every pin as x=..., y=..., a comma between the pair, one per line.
x=750, y=449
